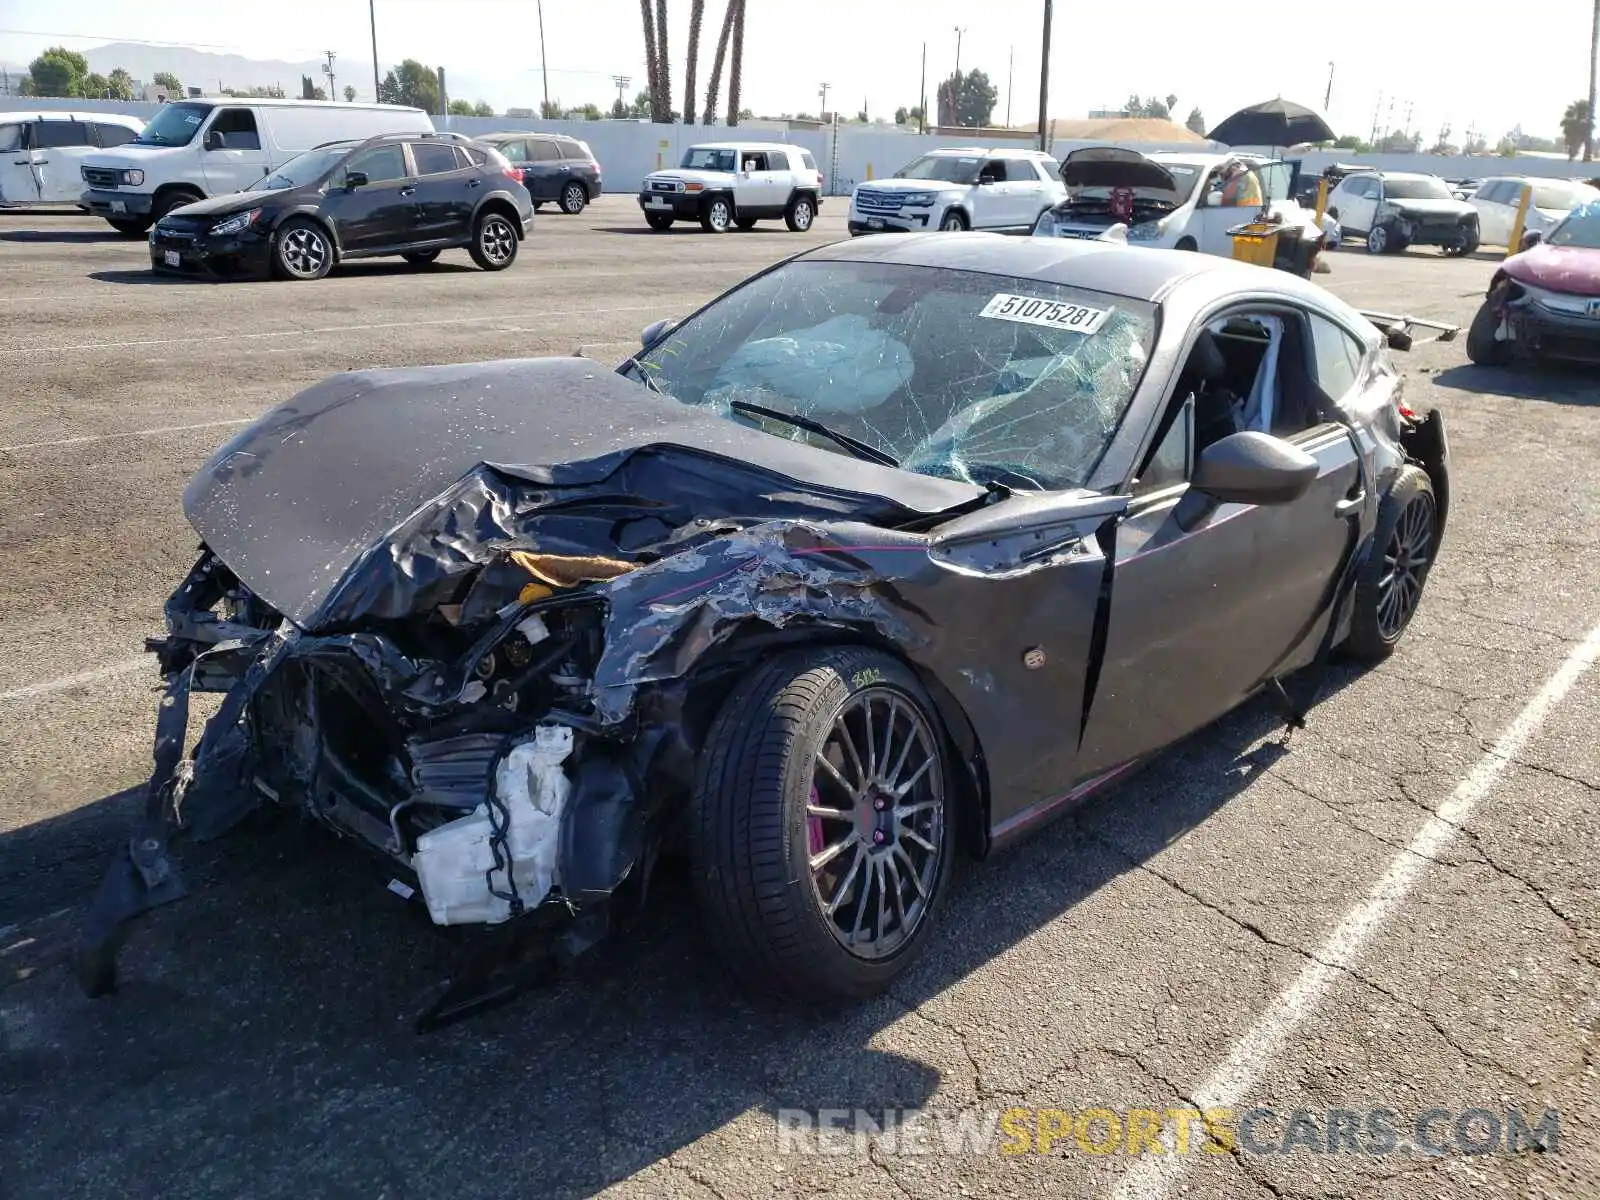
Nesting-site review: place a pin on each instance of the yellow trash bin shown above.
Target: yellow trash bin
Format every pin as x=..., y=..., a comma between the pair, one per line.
x=1255, y=242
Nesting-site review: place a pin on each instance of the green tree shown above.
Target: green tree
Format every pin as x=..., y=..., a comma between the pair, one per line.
x=94, y=86
x=1196, y=122
x=57, y=72
x=590, y=112
x=967, y=98
x=483, y=109
x=120, y=84
x=349, y=94
x=166, y=79
x=1575, y=127
x=551, y=110
x=411, y=84
x=460, y=108
x=641, y=104
x=902, y=115
x=1351, y=142
x=310, y=91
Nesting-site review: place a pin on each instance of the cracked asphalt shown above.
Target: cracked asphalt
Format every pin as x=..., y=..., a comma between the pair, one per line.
x=259, y=1045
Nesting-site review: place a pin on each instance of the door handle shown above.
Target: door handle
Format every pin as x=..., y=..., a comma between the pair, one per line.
x=408, y=191
x=21, y=162
x=472, y=183
x=1350, y=505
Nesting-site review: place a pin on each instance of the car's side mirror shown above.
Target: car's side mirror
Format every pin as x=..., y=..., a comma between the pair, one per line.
x=355, y=179
x=986, y=180
x=215, y=140
x=1246, y=468
x=654, y=332
x=1529, y=240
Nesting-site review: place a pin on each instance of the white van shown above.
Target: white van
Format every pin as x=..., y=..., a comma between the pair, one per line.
x=41, y=152
x=192, y=149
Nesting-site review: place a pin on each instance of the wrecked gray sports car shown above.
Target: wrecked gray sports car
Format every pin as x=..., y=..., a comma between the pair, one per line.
x=881, y=557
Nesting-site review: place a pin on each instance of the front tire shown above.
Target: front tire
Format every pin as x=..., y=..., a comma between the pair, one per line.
x=171, y=201
x=1379, y=240
x=303, y=250
x=494, y=242
x=1482, y=346
x=1389, y=587
x=954, y=221
x=717, y=215
x=802, y=211
x=573, y=199
x=823, y=824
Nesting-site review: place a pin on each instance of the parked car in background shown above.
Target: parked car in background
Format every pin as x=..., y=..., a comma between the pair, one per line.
x=1462, y=189
x=556, y=169
x=971, y=187
x=735, y=184
x=1498, y=200
x=192, y=149
x=1174, y=201
x=1392, y=210
x=1544, y=303
x=413, y=196
x=41, y=153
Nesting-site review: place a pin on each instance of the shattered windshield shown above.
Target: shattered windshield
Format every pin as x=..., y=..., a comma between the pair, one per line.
x=955, y=374
x=946, y=168
x=1581, y=228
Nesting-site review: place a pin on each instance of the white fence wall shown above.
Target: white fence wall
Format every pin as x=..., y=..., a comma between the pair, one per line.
x=629, y=150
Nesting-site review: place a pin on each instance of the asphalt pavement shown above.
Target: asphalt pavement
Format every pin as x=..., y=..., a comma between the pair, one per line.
x=1395, y=910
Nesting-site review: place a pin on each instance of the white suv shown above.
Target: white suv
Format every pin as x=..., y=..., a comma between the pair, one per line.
x=726, y=184
x=959, y=188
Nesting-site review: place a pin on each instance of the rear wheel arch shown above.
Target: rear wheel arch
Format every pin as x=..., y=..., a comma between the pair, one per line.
x=501, y=204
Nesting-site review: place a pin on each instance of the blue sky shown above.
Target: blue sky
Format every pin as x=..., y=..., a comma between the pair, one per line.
x=1443, y=60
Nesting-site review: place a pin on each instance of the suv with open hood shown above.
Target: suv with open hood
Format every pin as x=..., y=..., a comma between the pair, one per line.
x=1171, y=201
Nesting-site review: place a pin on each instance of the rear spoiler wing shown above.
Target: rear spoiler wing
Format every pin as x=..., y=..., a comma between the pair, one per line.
x=1398, y=329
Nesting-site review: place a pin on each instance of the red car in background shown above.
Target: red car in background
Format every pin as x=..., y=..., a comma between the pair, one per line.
x=1544, y=302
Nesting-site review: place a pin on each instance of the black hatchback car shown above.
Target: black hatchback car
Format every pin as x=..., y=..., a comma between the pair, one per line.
x=412, y=195
x=556, y=169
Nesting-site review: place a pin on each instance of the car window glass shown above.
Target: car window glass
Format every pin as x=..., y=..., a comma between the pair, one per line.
x=474, y=156
x=238, y=129
x=379, y=164
x=60, y=133
x=994, y=171
x=10, y=138
x=543, y=150
x=1338, y=357
x=516, y=152
x=1169, y=461
x=432, y=158
x=1499, y=192
x=114, y=135
x=754, y=161
x=805, y=157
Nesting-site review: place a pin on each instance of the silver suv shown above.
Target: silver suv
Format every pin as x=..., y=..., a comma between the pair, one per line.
x=726, y=184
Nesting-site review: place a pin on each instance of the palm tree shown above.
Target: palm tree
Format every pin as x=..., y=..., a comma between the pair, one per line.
x=1594, y=60
x=697, y=11
x=715, y=85
x=652, y=61
x=1575, y=127
x=737, y=69
x=663, y=96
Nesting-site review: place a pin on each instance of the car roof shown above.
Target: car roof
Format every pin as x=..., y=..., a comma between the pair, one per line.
x=987, y=152
x=105, y=118
x=745, y=146
x=513, y=134
x=1133, y=272
x=272, y=102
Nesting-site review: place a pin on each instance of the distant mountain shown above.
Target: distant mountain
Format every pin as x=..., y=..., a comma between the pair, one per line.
x=212, y=72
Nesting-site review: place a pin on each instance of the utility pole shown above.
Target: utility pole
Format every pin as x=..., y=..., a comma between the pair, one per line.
x=1044, y=83
x=1373, y=137
x=327, y=70
x=824, y=94
x=1327, y=98
x=955, y=80
x=542, y=69
x=372, y=14
x=622, y=82
x=922, y=119
x=1011, y=63
x=444, y=98
x=1594, y=60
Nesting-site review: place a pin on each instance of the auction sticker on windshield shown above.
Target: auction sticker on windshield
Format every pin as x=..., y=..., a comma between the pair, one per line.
x=1052, y=314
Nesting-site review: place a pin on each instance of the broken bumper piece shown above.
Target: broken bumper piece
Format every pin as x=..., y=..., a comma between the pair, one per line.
x=481, y=777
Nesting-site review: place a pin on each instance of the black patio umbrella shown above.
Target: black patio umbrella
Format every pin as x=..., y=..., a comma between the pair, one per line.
x=1277, y=122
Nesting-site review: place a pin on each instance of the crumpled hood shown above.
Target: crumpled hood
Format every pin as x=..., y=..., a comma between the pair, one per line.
x=232, y=202
x=1574, y=270
x=1435, y=208
x=372, y=487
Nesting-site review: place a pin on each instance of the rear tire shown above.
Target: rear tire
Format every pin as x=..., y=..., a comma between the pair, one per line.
x=802, y=211
x=1482, y=347
x=658, y=221
x=1186, y=243
x=301, y=250
x=1389, y=587
x=132, y=228
x=717, y=215
x=573, y=199
x=494, y=242
x=775, y=765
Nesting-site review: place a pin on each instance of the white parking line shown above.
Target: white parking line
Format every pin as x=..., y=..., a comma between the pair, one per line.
x=544, y=314
x=132, y=433
x=1153, y=1176
x=67, y=682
